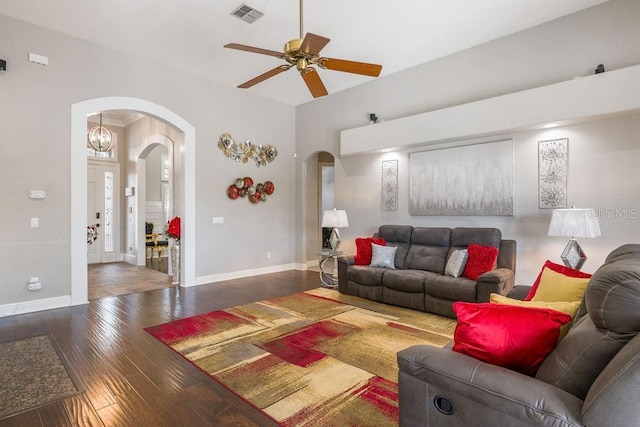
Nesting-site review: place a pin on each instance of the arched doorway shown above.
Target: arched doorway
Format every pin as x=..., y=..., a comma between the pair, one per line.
x=151, y=145
x=319, y=177
x=79, y=113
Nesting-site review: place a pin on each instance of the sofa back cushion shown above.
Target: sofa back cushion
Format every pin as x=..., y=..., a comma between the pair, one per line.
x=461, y=237
x=612, y=299
x=398, y=236
x=429, y=249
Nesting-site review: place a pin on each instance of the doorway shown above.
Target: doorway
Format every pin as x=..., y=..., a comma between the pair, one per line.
x=78, y=256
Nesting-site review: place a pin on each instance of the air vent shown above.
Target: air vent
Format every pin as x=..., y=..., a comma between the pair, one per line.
x=247, y=13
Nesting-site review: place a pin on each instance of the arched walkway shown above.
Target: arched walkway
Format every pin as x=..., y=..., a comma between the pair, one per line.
x=79, y=113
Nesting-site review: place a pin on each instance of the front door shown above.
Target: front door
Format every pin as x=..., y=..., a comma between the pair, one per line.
x=103, y=181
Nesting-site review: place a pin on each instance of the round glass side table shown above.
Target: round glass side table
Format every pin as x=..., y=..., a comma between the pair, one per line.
x=329, y=279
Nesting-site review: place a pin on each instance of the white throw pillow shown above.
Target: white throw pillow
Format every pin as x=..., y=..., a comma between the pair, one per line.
x=456, y=263
x=383, y=256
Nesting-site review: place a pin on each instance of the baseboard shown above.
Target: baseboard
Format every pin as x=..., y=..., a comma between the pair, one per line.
x=35, y=305
x=203, y=280
x=301, y=267
x=130, y=259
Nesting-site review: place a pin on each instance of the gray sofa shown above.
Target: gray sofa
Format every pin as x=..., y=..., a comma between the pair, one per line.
x=591, y=378
x=418, y=282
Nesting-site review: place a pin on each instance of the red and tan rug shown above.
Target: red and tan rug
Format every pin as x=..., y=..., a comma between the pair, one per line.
x=317, y=358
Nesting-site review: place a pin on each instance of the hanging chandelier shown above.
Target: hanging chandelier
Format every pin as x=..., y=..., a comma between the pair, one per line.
x=100, y=138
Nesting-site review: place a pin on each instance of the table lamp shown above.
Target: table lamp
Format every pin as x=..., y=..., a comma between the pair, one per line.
x=574, y=223
x=335, y=219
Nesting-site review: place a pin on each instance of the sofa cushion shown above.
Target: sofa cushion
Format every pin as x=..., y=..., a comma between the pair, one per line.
x=548, y=265
x=398, y=236
x=612, y=299
x=429, y=249
x=365, y=275
x=461, y=237
x=450, y=288
x=569, y=307
x=481, y=258
x=578, y=359
x=364, y=251
x=406, y=280
x=427, y=258
x=517, y=338
x=558, y=287
x=456, y=263
x=383, y=256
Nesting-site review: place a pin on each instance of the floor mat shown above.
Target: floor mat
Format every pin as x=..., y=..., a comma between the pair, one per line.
x=31, y=375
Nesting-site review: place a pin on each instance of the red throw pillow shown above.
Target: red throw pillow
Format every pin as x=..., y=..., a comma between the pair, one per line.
x=363, y=249
x=514, y=337
x=570, y=272
x=480, y=260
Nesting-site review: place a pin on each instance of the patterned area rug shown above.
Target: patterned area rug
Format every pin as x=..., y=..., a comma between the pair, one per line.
x=317, y=358
x=31, y=375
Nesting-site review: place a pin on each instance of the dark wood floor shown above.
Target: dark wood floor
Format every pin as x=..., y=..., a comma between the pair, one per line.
x=127, y=377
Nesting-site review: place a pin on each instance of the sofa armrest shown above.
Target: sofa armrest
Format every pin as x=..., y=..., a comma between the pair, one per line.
x=343, y=264
x=499, y=281
x=489, y=392
x=519, y=292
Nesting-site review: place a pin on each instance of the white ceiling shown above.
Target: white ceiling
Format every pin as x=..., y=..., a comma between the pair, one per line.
x=190, y=34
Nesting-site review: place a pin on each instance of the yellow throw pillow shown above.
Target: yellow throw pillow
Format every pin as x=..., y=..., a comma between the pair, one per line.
x=558, y=287
x=568, y=307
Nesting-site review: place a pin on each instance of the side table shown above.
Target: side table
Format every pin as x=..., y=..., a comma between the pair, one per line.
x=329, y=280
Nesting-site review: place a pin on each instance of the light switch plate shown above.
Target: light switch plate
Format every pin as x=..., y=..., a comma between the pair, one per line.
x=35, y=222
x=37, y=194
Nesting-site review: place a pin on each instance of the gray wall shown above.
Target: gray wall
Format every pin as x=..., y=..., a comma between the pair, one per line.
x=553, y=52
x=35, y=154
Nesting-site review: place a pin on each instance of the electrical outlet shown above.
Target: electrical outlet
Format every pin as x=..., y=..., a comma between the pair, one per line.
x=34, y=286
x=268, y=255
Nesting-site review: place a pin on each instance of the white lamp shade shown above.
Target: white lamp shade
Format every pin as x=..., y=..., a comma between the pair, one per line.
x=335, y=219
x=574, y=223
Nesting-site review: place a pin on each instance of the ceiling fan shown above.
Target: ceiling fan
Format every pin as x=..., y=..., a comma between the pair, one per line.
x=304, y=53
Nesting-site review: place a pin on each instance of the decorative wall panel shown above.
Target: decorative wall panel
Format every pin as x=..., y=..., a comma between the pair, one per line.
x=389, y=184
x=553, y=158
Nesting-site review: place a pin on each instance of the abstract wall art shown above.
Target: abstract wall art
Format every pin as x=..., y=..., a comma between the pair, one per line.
x=389, y=184
x=553, y=160
x=468, y=180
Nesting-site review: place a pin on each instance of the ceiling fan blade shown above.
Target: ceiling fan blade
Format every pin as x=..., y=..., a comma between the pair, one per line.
x=350, y=66
x=254, y=49
x=314, y=83
x=265, y=76
x=313, y=43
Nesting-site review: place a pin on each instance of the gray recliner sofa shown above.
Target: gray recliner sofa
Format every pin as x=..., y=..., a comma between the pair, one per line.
x=418, y=280
x=591, y=378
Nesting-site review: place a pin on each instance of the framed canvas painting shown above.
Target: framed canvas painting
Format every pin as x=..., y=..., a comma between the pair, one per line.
x=468, y=180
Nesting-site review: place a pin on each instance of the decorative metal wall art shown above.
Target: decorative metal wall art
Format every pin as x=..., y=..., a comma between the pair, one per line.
x=553, y=156
x=469, y=180
x=243, y=187
x=389, y=184
x=261, y=154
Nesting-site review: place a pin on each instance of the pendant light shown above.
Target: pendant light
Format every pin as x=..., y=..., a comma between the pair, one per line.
x=100, y=138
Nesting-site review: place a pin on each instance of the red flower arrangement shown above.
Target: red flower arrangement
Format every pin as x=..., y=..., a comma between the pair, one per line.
x=173, y=228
